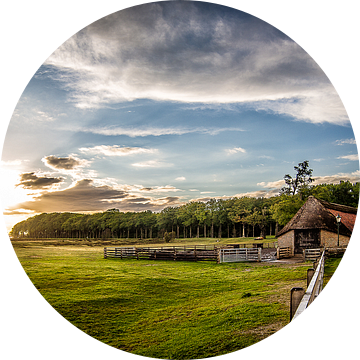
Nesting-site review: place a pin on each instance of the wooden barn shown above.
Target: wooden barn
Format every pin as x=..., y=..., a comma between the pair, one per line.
x=315, y=225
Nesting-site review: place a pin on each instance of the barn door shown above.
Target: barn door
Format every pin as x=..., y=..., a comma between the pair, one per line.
x=306, y=239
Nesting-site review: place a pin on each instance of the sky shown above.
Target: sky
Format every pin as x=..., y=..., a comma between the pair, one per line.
x=163, y=103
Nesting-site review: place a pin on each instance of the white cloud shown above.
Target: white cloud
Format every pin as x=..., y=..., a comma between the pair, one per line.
x=352, y=157
x=259, y=193
x=316, y=106
x=272, y=184
x=11, y=162
x=43, y=116
x=235, y=151
x=159, y=189
x=152, y=164
x=181, y=178
x=115, y=150
x=152, y=131
x=335, y=179
x=122, y=58
x=267, y=157
x=345, y=141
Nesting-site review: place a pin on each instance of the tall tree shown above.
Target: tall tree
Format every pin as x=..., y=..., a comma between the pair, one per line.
x=301, y=181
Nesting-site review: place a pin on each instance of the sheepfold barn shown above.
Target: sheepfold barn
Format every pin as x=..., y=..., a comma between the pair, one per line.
x=315, y=225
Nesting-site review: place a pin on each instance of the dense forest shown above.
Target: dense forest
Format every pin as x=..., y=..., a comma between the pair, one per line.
x=233, y=217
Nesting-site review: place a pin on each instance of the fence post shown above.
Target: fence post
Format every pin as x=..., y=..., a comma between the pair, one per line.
x=259, y=254
x=310, y=273
x=296, y=294
x=278, y=253
x=105, y=253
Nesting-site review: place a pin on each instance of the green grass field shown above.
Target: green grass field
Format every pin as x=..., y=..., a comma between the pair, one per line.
x=164, y=309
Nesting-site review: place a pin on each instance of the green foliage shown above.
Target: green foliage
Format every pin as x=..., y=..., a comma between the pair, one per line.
x=168, y=236
x=301, y=180
x=286, y=208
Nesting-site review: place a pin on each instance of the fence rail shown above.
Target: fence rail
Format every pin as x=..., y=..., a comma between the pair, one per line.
x=284, y=252
x=313, y=290
x=237, y=255
x=188, y=253
x=311, y=254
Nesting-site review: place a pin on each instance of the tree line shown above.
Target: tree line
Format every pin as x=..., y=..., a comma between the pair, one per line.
x=215, y=218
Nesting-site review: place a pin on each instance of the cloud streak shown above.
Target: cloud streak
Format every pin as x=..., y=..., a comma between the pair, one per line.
x=152, y=164
x=351, y=157
x=153, y=131
x=115, y=150
x=235, y=151
x=194, y=53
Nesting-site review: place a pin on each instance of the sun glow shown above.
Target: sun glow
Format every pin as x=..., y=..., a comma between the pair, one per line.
x=11, y=195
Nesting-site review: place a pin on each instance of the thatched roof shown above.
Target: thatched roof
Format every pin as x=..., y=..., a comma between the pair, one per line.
x=319, y=214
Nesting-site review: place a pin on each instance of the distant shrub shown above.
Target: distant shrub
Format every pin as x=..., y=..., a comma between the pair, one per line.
x=168, y=236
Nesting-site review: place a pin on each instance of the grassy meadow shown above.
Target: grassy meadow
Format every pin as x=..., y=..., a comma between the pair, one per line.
x=164, y=309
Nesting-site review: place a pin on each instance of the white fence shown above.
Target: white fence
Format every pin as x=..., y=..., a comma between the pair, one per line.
x=314, y=288
x=237, y=255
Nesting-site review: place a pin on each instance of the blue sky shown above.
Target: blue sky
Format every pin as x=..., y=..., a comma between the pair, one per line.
x=164, y=103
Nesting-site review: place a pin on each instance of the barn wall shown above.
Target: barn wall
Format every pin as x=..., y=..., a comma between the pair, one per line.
x=330, y=239
x=287, y=239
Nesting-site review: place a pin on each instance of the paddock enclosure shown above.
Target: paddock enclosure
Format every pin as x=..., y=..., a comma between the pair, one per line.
x=230, y=253
x=180, y=253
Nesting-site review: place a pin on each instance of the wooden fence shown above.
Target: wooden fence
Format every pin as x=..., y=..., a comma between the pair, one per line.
x=311, y=254
x=237, y=255
x=187, y=253
x=299, y=303
x=231, y=253
x=284, y=252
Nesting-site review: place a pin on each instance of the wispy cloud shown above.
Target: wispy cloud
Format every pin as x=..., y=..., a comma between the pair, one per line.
x=159, y=189
x=116, y=150
x=336, y=178
x=193, y=56
x=235, y=150
x=11, y=162
x=345, y=141
x=272, y=184
x=152, y=164
x=43, y=116
x=352, y=157
x=153, y=131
